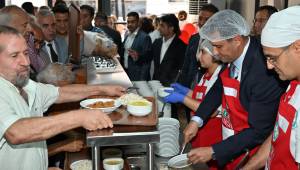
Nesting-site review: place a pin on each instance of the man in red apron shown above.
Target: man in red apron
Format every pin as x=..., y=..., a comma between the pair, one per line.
x=248, y=93
x=281, y=47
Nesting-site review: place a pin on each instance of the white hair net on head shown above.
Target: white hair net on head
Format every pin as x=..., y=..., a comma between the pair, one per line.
x=224, y=25
x=207, y=46
x=282, y=28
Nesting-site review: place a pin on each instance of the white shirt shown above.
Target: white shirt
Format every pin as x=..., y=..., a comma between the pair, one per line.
x=28, y=156
x=128, y=43
x=164, y=47
x=154, y=35
x=48, y=49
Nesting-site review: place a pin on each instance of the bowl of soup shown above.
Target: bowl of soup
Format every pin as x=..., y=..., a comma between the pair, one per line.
x=139, y=107
x=113, y=164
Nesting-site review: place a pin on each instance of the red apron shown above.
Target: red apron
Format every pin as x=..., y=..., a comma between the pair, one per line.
x=211, y=132
x=280, y=157
x=234, y=116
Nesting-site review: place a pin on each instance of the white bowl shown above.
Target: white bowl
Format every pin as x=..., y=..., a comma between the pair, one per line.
x=84, y=164
x=162, y=93
x=135, y=108
x=87, y=102
x=113, y=164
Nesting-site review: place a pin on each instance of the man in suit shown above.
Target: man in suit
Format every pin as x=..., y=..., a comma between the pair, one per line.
x=168, y=51
x=102, y=22
x=136, y=58
x=55, y=48
x=248, y=93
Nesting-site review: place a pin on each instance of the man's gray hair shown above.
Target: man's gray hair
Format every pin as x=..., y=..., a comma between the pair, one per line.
x=44, y=13
x=5, y=18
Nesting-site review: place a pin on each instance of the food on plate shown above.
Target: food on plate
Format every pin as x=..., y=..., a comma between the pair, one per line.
x=126, y=98
x=139, y=103
x=101, y=104
x=82, y=165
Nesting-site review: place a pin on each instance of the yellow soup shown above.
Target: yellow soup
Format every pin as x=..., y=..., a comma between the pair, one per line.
x=139, y=103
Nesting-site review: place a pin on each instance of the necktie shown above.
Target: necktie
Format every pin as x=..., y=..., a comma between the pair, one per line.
x=53, y=53
x=233, y=71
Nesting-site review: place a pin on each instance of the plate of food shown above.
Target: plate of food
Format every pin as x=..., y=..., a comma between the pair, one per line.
x=104, y=104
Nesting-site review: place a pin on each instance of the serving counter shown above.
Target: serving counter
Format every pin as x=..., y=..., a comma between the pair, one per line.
x=127, y=130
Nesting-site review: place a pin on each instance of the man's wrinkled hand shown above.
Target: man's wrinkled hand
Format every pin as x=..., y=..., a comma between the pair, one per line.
x=93, y=119
x=114, y=90
x=190, y=131
x=200, y=155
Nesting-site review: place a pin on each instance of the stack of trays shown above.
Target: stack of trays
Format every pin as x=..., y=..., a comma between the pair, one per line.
x=169, y=137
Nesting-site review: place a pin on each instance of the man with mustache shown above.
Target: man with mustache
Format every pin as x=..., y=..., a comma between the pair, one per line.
x=23, y=130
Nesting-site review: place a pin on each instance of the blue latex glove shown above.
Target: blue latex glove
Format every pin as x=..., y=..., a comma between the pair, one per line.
x=173, y=97
x=180, y=88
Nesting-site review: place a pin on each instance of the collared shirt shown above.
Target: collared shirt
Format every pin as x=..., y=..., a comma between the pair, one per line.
x=127, y=45
x=164, y=47
x=238, y=64
x=28, y=156
x=48, y=49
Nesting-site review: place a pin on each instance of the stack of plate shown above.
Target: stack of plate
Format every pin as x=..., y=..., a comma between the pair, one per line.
x=143, y=88
x=169, y=137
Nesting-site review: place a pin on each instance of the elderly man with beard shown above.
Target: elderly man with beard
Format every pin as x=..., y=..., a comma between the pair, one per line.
x=23, y=130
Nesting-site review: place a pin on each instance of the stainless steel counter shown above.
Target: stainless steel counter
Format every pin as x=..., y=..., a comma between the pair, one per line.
x=119, y=135
x=118, y=76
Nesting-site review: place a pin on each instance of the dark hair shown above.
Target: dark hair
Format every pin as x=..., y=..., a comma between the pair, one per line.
x=89, y=8
x=210, y=8
x=28, y=7
x=60, y=8
x=8, y=30
x=101, y=16
x=182, y=13
x=146, y=25
x=172, y=21
x=60, y=2
x=133, y=14
x=270, y=9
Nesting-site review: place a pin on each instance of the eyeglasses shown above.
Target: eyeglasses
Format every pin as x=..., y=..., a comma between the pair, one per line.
x=273, y=59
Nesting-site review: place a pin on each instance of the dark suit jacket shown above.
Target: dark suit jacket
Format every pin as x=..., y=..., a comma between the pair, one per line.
x=115, y=35
x=260, y=92
x=190, y=66
x=167, y=70
x=139, y=69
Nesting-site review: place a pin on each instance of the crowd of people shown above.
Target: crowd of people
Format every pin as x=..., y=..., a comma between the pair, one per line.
x=239, y=85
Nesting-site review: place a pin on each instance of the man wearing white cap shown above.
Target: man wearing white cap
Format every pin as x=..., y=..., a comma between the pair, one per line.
x=281, y=46
x=248, y=93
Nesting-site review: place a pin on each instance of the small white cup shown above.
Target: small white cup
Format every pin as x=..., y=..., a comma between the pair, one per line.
x=162, y=93
x=113, y=164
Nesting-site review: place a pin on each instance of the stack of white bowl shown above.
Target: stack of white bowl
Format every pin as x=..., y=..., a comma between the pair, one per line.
x=169, y=137
x=144, y=89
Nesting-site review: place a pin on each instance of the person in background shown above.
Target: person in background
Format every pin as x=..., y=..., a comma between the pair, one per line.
x=182, y=17
x=87, y=13
x=56, y=48
x=28, y=7
x=61, y=13
x=249, y=102
x=101, y=21
x=211, y=132
x=191, y=71
x=281, y=46
x=168, y=51
x=146, y=25
x=136, y=58
x=23, y=128
x=261, y=17
x=155, y=34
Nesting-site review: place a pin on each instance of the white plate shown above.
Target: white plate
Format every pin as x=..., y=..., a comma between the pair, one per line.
x=84, y=164
x=179, y=161
x=87, y=102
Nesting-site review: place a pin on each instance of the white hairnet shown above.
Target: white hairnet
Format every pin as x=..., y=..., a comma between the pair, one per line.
x=224, y=25
x=207, y=46
x=282, y=28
